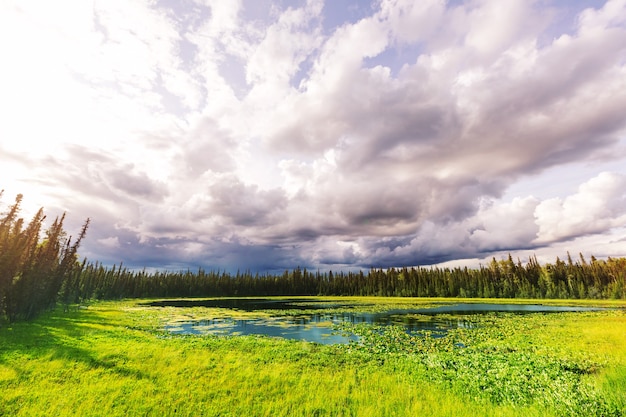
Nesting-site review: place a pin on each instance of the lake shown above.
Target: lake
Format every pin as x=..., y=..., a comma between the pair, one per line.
x=315, y=320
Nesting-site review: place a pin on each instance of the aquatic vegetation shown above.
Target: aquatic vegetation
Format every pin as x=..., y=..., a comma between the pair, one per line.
x=115, y=359
x=482, y=364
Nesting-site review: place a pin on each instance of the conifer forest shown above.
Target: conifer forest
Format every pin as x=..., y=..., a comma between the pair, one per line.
x=36, y=273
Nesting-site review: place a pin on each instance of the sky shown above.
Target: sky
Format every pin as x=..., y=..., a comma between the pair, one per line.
x=263, y=135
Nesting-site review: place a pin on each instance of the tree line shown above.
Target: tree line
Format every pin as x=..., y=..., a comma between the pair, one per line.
x=34, y=272
x=596, y=279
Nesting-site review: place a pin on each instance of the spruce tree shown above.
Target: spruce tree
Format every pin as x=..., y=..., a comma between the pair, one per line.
x=32, y=272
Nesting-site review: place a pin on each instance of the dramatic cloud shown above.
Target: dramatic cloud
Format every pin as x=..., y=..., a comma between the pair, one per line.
x=263, y=135
x=599, y=205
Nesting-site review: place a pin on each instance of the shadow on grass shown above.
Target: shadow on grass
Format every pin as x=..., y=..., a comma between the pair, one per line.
x=59, y=335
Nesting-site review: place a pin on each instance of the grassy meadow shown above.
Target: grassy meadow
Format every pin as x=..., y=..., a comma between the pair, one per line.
x=113, y=359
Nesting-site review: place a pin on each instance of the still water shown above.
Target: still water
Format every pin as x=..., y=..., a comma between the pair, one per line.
x=317, y=325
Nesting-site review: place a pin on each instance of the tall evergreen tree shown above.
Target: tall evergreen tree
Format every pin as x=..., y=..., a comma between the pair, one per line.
x=32, y=272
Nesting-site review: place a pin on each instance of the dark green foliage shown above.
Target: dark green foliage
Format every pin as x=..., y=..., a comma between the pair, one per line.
x=597, y=279
x=481, y=365
x=32, y=272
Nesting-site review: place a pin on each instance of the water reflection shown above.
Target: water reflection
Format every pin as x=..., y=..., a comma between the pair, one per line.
x=254, y=304
x=319, y=326
x=298, y=330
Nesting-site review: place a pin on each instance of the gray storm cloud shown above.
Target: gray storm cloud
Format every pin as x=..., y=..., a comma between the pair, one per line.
x=231, y=140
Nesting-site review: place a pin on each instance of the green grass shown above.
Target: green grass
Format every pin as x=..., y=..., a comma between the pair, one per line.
x=111, y=359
